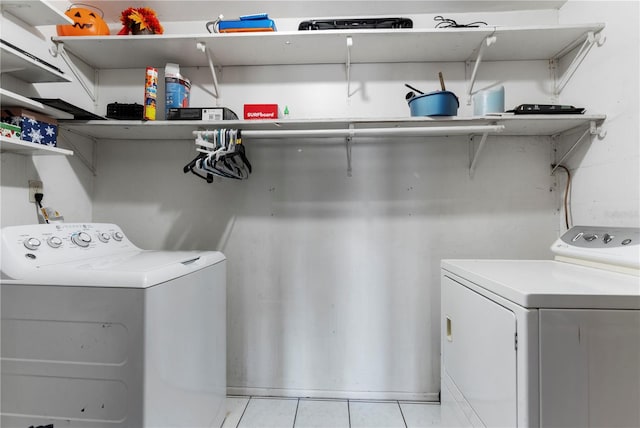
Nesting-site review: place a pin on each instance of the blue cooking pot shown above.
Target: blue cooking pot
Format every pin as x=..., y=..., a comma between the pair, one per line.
x=439, y=103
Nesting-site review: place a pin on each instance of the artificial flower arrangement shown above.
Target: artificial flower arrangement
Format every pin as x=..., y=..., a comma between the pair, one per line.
x=140, y=20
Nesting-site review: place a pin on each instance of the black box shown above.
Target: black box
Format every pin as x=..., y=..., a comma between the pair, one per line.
x=208, y=113
x=124, y=111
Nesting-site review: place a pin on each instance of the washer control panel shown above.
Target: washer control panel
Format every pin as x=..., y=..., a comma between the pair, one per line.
x=64, y=242
x=616, y=246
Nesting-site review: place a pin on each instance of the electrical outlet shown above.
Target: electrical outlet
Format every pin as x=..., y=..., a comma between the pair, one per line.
x=35, y=186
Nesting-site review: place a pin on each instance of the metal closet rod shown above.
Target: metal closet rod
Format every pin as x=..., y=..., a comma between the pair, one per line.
x=366, y=132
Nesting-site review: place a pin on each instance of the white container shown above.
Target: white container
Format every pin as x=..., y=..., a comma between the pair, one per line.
x=177, y=88
x=489, y=101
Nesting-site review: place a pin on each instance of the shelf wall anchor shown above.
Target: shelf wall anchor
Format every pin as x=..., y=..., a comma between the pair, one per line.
x=488, y=41
x=58, y=49
x=592, y=39
x=348, y=65
x=474, y=162
x=201, y=46
x=593, y=129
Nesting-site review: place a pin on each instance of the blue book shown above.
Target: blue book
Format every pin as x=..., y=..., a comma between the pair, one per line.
x=247, y=23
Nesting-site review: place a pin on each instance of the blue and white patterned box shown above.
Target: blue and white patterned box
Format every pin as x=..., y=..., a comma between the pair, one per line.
x=35, y=127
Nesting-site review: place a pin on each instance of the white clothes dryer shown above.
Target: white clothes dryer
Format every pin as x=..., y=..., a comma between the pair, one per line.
x=545, y=343
x=97, y=332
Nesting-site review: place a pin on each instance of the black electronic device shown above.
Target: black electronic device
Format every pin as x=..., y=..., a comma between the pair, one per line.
x=546, y=109
x=354, y=24
x=124, y=111
x=201, y=113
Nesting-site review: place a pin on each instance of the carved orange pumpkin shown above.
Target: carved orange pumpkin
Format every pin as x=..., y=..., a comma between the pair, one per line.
x=85, y=23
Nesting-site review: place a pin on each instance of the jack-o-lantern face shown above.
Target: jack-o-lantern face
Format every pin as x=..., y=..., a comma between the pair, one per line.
x=85, y=23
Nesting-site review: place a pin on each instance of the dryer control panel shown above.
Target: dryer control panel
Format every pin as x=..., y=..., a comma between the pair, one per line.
x=613, y=246
x=601, y=237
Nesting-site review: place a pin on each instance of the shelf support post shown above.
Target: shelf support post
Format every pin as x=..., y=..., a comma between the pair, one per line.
x=58, y=49
x=592, y=39
x=474, y=161
x=348, y=65
x=201, y=46
x=593, y=129
x=488, y=41
x=349, y=141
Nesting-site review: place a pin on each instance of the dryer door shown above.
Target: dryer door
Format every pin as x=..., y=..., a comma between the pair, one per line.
x=479, y=353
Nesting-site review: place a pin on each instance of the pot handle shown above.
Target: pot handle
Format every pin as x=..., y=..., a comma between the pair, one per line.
x=88, y=6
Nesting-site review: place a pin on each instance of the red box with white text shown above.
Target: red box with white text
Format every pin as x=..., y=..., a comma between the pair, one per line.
x=260, y=111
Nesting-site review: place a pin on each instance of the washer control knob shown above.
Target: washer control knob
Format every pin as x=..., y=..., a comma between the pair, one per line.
x=626, y=242
x=54, y=242
x=32, y=243
x=578, y=236
x=104, y=237
x=590, y=237
x=81, y=239
x=607, y=238
x=117, y=236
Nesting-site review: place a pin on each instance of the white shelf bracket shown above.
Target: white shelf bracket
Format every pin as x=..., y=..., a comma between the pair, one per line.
x=348, y=65
x=474, y=161
x=592, y=39
x=78, y=154
x=58, y=49
x=593, y=129
x=201, y=46
x=349, y=142
x=488, y=41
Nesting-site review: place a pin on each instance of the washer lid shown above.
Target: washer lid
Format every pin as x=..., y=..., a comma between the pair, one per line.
x=549, y=284
x=138, y=269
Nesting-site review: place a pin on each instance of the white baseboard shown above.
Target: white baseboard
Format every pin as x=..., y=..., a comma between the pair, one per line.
x=345, y=395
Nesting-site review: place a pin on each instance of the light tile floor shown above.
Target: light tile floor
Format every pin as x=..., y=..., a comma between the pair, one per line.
x=261, y=412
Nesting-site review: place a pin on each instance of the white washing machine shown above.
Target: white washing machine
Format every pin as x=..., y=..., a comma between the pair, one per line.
x=99, y=333
x=553, y=343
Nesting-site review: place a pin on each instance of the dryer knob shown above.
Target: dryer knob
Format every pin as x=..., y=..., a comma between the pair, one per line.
x=590, y=237
x=117, y=236
x=607, y=238
x=81, y=239
x=104, y=237
x=32, y=243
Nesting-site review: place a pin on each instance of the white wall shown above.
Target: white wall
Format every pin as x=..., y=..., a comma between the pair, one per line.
x=334, y=280
x=66, y=187
x=67, y=182
x=606, y=185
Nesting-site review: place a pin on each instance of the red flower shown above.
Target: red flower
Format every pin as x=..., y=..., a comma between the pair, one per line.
x=140, y=19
